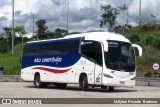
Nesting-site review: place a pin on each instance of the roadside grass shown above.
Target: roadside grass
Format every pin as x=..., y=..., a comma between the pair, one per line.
x=11, y=64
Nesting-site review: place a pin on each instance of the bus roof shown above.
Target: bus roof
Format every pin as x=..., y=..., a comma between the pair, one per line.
x=100, y=36
x=97, y=36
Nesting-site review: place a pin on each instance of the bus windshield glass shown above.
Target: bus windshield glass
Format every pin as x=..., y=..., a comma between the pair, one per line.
x=120, y=56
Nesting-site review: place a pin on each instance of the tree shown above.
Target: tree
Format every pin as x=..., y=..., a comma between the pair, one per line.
x=109, y=15
x=41, y=28
x=120, y=28
x=3, y=45
x=153, y=18
x=123, y=8
x=20, y=30
x=60, y=31
x=8, y=37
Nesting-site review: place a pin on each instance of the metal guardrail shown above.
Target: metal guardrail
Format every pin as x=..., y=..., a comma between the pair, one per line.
x=10, y=78
x=17, y=78
x=148, y=80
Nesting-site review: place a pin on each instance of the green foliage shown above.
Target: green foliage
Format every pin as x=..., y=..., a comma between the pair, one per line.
x=61, y=31
x=18, y=48
x=20, y=30
x=5, y=42
x=149, y=40
x=110, y=14
x=122, y=27
x=157, y=42
x=147, y=60
x=134, y=38
x=7, y=31
x=6, y=39
x=53, y=35
x=42, y=28
x=149, y=73
x=11, y=64
x=3, y=45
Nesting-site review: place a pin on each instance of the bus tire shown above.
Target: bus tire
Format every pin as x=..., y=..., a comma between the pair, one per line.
x=111, y=89
x=61, y=85
x=81, y=84
x=38, y=83
x=85, y=83
x=103, y=87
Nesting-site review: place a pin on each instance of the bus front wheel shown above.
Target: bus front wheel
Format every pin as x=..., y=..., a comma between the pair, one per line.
x=111, y=89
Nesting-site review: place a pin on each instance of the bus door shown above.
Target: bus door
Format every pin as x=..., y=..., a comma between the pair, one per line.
x=91, y=50
x=98, y=64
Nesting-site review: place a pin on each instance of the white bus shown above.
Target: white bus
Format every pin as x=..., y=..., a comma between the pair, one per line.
x=89, y=59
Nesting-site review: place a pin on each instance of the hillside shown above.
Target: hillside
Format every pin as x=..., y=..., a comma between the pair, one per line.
x=148, y=36
x=12, y=63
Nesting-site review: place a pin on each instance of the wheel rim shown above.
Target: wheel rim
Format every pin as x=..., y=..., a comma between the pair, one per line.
x=83, y=83
x=37, y=81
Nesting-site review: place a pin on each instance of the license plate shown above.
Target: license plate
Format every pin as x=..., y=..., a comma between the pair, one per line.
x=122, y=82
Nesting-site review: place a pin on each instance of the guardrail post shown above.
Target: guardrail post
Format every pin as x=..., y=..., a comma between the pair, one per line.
x=148, y=83
x=5, y=79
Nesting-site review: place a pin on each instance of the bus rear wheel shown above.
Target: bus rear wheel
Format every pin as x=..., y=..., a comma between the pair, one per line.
x=85, y=83
x=111, y=89
x=38, y=83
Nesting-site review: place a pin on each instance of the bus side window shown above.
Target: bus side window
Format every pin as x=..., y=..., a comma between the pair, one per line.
x=88, y=50
x=92, y=50
x=98, y=54
x=52, y=48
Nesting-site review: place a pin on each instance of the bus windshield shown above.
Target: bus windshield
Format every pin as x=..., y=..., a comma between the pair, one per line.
x=120, y=56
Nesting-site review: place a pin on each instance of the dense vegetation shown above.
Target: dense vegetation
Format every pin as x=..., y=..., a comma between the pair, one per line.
x=148, y=36
x=12, y=63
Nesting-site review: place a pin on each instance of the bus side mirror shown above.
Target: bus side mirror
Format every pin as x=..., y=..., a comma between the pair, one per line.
x=105, y=43
x=139, y=48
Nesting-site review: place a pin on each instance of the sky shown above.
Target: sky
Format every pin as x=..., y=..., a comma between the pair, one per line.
x=84, y=15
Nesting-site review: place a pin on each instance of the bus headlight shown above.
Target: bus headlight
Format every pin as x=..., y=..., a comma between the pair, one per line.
x=134, y=78
x=108, y=76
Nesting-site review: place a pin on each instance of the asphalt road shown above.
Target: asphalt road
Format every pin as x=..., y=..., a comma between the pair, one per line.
x=28, y=90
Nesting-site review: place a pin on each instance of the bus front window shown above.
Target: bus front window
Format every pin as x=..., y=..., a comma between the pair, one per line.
x=120, y=56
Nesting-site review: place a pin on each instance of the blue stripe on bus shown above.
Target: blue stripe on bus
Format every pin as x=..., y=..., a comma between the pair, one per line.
x=61, y=61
